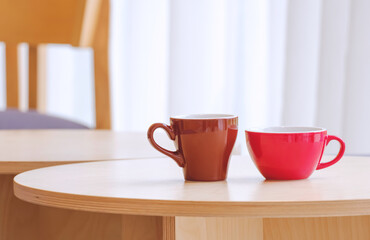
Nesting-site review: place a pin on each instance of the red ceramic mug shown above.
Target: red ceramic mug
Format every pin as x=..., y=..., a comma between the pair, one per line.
x=288, y=153
x=204, y=143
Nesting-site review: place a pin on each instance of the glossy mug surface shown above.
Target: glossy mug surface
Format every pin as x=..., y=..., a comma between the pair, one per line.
x=289, y=153
x=204, y=143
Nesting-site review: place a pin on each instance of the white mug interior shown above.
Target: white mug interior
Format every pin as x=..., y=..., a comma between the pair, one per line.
x=204, y=116
x=286, y=129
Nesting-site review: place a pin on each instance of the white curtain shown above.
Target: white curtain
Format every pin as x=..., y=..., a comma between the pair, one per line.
x=271, y=62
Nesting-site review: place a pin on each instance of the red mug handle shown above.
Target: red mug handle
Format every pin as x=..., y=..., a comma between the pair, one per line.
x=338, y=157
x=177, y=156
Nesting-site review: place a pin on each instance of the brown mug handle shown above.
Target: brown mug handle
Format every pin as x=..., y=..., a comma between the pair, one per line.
x=177, y=156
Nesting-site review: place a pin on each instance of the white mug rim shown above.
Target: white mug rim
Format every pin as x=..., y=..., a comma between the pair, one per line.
x=286, y=129
x=204, y=116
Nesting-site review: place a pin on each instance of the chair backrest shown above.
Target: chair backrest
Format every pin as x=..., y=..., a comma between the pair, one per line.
x=48, y=21
x=81, y=23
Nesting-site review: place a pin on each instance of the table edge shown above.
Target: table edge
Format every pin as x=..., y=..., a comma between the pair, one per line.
x=192, y=208
x=13, y=168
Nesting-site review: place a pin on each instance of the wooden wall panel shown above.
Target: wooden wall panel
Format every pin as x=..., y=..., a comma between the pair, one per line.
x=330, y=228
x=148, y=228
x=17, y=218
x=59, y=224
x=218, y=228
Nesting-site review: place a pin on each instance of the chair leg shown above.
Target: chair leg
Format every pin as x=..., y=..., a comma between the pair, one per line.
x=12, y=82
x=37, y=77
x=32, y=77
x=100, y=46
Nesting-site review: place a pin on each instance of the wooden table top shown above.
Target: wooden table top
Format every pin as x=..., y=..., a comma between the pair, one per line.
x=22, y=150
x=156, y=187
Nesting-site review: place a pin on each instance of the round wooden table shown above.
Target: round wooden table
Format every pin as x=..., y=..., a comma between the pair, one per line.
x=152, y=201
x=22, y=150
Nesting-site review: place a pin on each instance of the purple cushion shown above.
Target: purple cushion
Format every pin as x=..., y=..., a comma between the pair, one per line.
x=14, y=119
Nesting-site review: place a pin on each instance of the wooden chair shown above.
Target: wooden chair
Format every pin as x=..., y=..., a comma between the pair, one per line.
x=81, y=23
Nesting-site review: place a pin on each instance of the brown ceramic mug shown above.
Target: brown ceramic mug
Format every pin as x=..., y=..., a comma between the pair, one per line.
x=204, y=143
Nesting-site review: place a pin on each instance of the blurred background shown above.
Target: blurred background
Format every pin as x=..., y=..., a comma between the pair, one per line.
x=271, y=62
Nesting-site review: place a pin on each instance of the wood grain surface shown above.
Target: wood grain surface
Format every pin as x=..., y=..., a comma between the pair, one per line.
x=330, y=228
x=218, y=228
x=148, y=228
x=15, y=214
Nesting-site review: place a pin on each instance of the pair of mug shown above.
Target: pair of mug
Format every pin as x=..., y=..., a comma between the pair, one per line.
x=204, y=143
